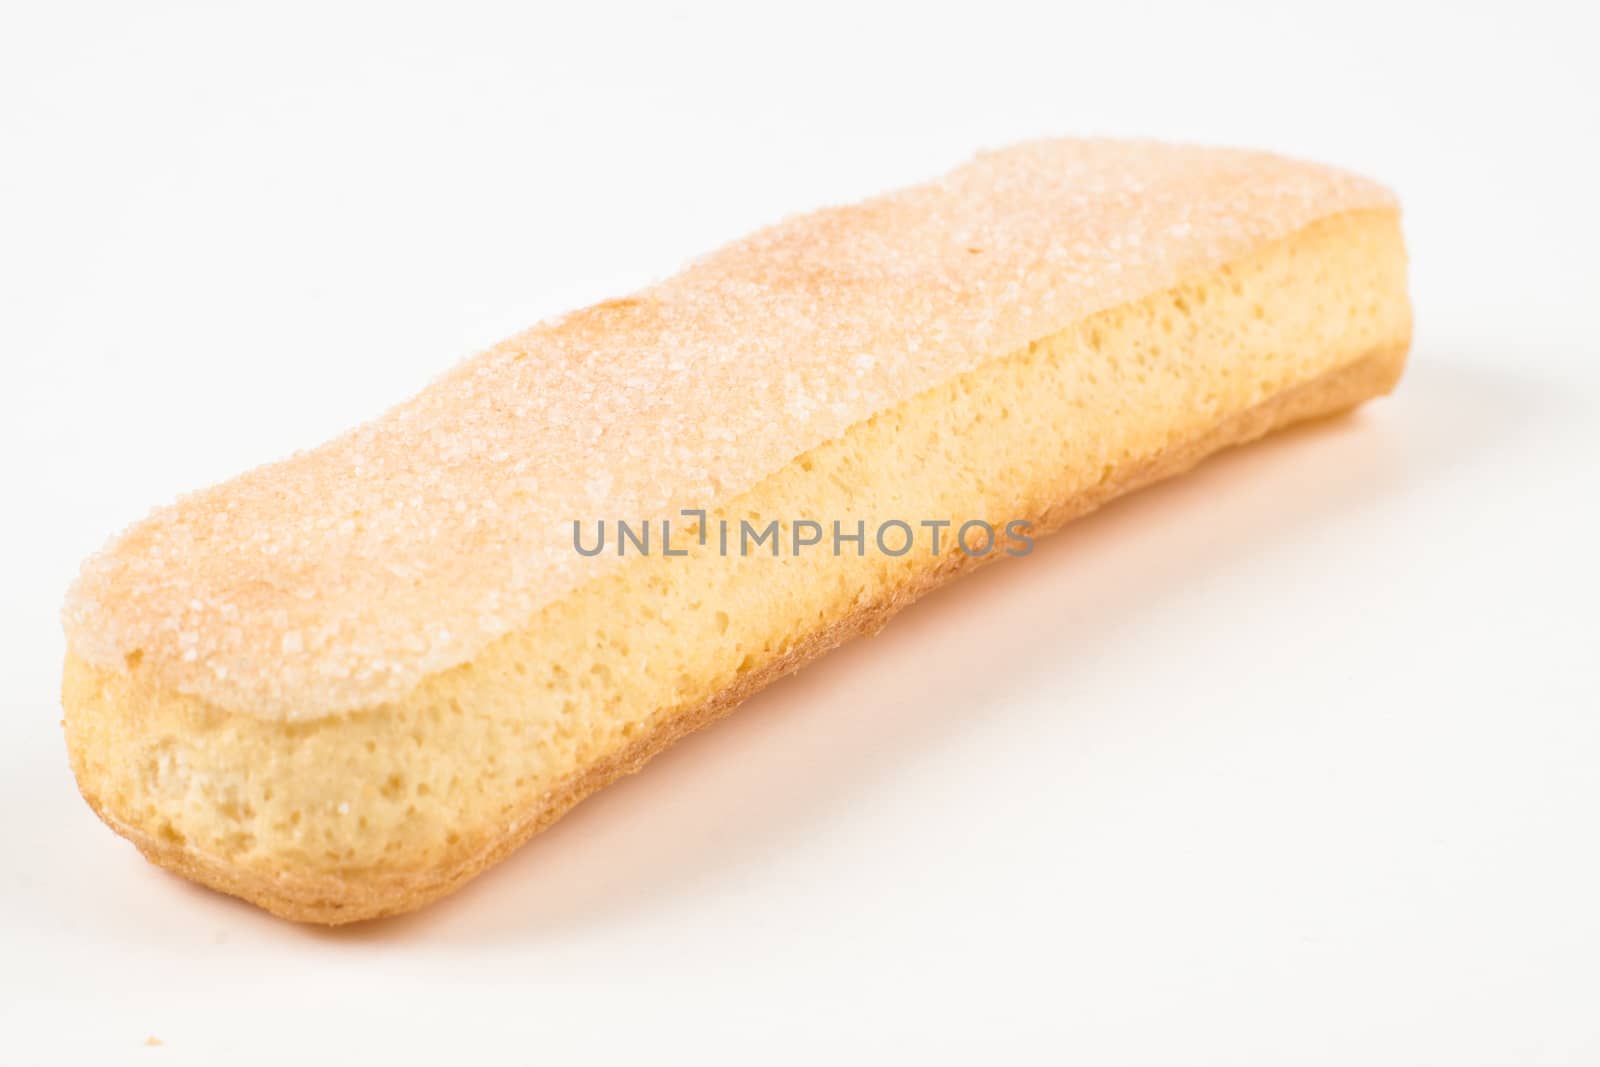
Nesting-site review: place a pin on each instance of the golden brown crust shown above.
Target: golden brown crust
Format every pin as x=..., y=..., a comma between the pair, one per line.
x=336, y=899
x=343, y=577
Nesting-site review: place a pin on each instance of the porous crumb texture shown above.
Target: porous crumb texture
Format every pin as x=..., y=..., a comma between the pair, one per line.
x=332, y=818
x=342, y=577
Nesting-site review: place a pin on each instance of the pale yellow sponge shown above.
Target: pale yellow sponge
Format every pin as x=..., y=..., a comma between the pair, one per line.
x=341, y=685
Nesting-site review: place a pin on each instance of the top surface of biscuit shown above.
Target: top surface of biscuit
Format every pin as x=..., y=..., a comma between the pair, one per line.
x=341, y=577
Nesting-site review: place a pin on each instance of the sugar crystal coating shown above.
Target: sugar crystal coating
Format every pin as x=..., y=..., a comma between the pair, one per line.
x=341, y=577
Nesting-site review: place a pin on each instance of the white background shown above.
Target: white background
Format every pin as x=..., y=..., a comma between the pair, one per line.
x=1293, y=761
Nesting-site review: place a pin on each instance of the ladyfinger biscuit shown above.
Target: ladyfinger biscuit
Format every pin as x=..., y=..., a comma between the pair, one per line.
x=341, y=685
